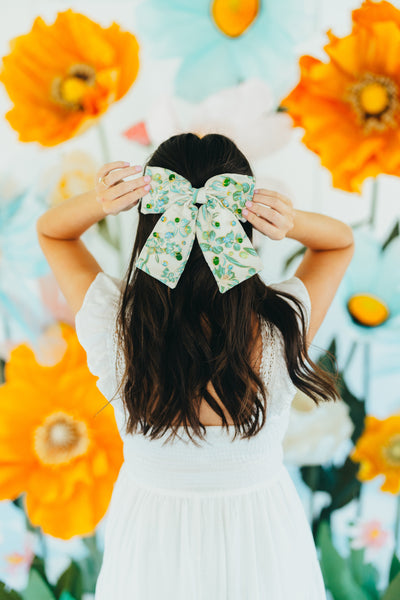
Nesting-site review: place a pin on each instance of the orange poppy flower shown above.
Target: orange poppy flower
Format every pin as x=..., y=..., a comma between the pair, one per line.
x=53, y=445
x=62, y=77
x=349, y=106
x=378, y=451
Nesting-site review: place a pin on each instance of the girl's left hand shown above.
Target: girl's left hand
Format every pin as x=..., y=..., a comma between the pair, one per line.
x=116, y=195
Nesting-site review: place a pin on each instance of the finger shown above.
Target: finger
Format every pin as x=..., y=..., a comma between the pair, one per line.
x=116, y=206
x=264, y=227
x=120, y=189
x=273, y=194
x=275, y=203
x=105, y=169
x=268, y=213
x=117, y=175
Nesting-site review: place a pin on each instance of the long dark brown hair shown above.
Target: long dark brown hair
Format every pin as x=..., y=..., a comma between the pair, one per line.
x=175, y=341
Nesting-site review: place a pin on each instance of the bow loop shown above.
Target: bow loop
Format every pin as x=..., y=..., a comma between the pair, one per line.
x=221, y=237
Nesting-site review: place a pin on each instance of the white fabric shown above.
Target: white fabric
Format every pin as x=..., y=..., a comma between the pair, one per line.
x=218, y=521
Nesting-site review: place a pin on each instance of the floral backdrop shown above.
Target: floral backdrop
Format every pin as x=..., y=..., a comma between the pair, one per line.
x=310, y=91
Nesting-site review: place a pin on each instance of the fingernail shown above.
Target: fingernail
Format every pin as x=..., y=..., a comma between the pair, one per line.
x=138, y=168
x=147, y=187
x=245, y=212
x=147, y=178
x=249, y=203
x=256, y=191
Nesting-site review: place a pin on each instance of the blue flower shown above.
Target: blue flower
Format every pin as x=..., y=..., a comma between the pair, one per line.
x=214, y=57
x=370, y=291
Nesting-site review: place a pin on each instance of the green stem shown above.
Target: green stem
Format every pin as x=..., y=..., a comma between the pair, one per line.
x=367, y=365
x=314, y=481
x=397, y=525
x=374, y=202
x=349, y=356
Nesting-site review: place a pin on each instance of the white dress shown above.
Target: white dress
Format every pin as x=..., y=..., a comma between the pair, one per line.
x=223, y=521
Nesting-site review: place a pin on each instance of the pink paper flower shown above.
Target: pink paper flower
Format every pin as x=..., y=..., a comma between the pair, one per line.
x=370, y=535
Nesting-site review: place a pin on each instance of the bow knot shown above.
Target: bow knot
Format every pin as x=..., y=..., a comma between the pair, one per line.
x=216, y=225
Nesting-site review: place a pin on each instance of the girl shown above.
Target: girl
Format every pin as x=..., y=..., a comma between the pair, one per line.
x=201, y=360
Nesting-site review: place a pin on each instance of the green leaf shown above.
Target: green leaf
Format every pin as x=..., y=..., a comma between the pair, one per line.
x=37, y=588
x=8, y=593
x=70, y=581
x=392, y=235
x=233, y=260
x=394, y=567
x=393, y=591
x=336, y=571
x=365, y=574
x=66, y=596
x=250, y=251
x=38, y=564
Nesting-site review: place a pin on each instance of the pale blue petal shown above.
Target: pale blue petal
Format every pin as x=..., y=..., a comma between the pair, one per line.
x=265, y=50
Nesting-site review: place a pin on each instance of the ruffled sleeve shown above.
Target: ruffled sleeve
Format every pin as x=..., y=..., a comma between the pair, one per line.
x=95, y=327
x=296, y=287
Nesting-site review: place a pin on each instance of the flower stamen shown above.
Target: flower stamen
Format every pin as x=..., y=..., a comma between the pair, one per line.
x=374, y=99
x=392, y=450
x=60, y=439
x=69, y=91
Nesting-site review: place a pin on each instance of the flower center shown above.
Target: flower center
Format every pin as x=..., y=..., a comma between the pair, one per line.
x=392, y=450
x=375, y=101
x=233, y=17
x=368, y=310
x=70, y=90
x=374, y=98
x=374, y=533
x=60, y=439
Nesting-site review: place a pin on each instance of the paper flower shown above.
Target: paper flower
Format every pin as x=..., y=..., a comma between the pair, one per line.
x=370, y=535
x=245, y=113
x=17, y=547
x=370, y=291
x=21, y=262
x=73, y=174
x=349, y=106
x=378, y=452
x=316, y=433
x=222, y=43
x=53, y=445
x=62, y=77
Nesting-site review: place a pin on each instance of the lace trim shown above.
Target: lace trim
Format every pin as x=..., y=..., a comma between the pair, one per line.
x=268, y=352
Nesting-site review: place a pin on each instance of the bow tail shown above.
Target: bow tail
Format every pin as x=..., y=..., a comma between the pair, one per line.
x=226, y=247
x=168, y=246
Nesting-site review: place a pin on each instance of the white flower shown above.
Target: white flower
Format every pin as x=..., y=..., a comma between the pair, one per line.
x=245, y=113
x=316, y=433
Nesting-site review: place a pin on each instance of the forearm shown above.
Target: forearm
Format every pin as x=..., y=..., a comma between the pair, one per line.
x=70, y=219
x=320, y=232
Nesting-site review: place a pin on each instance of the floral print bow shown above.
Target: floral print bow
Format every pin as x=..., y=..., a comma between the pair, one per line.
x=225, y=245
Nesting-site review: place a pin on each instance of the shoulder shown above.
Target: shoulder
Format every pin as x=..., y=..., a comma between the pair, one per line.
x=98, y=311
x=295, y=286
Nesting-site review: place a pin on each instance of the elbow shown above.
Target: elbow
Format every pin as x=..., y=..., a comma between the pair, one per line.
x=348, y=237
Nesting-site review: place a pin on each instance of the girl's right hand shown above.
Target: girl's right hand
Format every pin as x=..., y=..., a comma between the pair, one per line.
x=271, y=213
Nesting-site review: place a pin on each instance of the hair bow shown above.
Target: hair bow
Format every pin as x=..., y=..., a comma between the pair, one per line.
x=216, y=224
